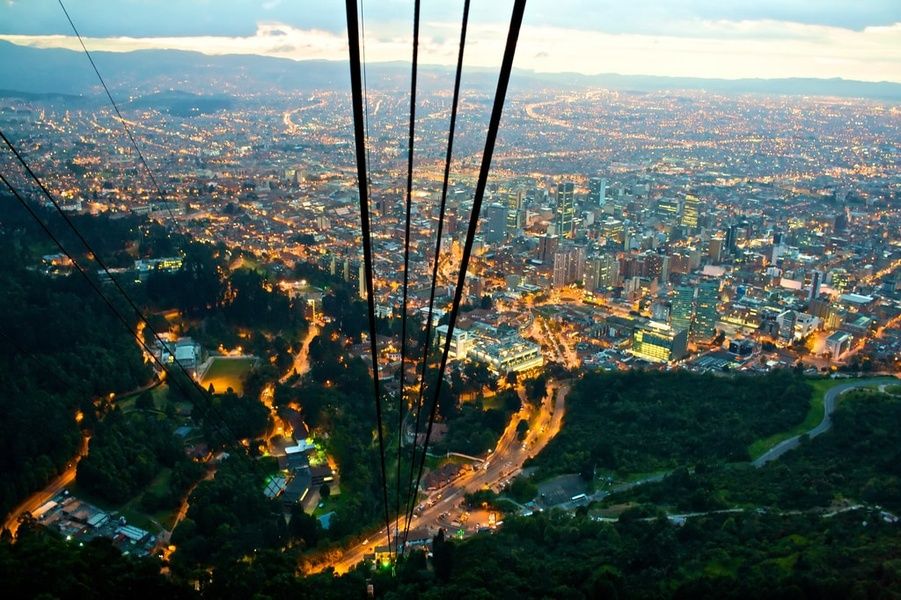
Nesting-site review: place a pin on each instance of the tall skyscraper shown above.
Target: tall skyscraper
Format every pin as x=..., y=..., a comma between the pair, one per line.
x=361, y=277
x=597, y=191
x=706, y=310
x=816, y=278
x=561, y=266
x=514, y=211
x=683, y=308
x=576, y=270
x=732, y=239
x=495, y=230
x=715, y=250
x=691, y=210
x=566, y=209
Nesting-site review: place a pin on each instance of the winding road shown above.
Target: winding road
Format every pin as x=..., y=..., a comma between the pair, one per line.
x=830, y=401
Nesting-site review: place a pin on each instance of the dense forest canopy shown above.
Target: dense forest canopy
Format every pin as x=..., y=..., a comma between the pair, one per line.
x=60, y=349
x=859, y=460
x=655, y=421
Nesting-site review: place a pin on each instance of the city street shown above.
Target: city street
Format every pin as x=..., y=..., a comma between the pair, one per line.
x=501, y=465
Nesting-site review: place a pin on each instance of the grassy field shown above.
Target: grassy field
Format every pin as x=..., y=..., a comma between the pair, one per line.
x=893, y=389
x=227, y=373
x=813, y=418
x=159, y=399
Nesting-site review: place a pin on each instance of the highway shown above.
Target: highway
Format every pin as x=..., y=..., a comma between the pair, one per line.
x=830, y=400
x=503, y=463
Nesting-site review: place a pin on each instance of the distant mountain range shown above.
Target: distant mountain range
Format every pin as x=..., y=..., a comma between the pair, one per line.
x=53, y=72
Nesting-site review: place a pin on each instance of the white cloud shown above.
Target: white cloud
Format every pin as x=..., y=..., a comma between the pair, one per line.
x=719, y=49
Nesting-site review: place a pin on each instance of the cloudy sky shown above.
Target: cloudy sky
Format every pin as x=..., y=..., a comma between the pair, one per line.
x=853, y=39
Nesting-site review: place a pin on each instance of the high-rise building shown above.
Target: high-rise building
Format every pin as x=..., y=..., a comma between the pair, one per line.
x=683, y=308
x=816, y=278
x=608, y=272
x=566, y=209
x=597, y=191
x=576, y=270
x=569, y=265
x=514, y=211
x=669, y=207
x=657, y=266
x=561, y=266
x=601, y=272
x=361, y=283
x=547, y=247
x=732, y=239
x=659, y=342
x=706, y=310
x=495, y=223
x=715, y=250
x=691, y=210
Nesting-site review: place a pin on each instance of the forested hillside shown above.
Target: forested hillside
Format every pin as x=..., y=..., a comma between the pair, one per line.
x=645, y=421
x=60, y=348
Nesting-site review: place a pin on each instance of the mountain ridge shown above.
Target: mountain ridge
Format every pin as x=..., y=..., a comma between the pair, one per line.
x=56, y=71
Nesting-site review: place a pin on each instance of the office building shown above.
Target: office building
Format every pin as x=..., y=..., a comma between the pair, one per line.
x=715, y=250
x=786, y=322
x=508, y=355
x=660, y=311
x=597, y=191
x=816, y=279
x=514, y=212
x=683, y=308
x=732, y=239
x=838, y=344
x=461, y=342
x=658, y=342
x=691, y=210
x=566, y=209
x=706, y=310
x=669, y=208
x=495, y=223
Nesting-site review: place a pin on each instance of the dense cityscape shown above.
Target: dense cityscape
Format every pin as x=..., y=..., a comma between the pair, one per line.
x=761, y=225
x=670, y=290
